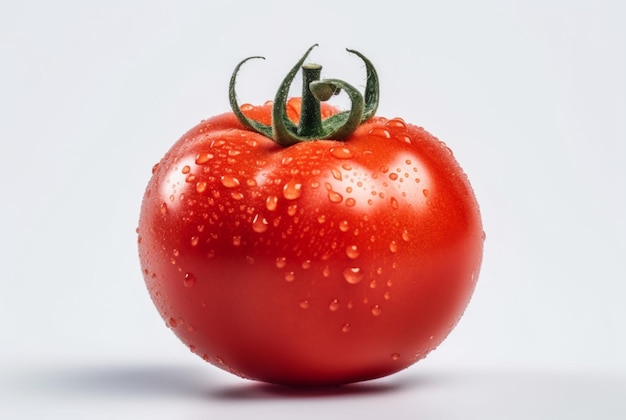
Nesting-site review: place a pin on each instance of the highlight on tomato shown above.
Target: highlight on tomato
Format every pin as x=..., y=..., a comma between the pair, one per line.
x=296, y=243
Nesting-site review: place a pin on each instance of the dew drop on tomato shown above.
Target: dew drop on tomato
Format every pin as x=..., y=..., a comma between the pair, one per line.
x=341, y=152
x=229, y=181
x=189, y=280
x=397, y=123
x=334, y=196
x=380, y=132
x=259, y=224
x=200, y=186
x=336, y=174
x=271, y=203
x=203, y=158
x=333, y=305
x=292, y=190
x=281, y=262
x=353, y=275
x=352, y=252
x=376, y=311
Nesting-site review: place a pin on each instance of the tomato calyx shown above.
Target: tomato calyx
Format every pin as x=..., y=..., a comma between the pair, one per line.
x=311, y=126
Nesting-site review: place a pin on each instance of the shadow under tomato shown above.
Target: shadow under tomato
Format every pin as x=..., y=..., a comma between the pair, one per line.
x=260, y=390
x=163, y=381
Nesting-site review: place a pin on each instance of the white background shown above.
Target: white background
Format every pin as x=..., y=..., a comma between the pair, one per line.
x=530, y=95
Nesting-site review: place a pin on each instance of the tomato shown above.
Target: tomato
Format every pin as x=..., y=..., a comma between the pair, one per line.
x=320, y=262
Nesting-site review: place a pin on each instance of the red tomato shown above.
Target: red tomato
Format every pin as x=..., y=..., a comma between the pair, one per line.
x=324, y=262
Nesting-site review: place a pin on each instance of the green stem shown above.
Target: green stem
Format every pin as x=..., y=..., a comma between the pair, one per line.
x=311, y=126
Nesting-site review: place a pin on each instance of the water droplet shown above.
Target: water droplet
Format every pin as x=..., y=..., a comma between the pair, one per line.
x=393, y=176
x=352, y=252
x=344, y=226
x=234, y=152
x=405, y=235
x=336, y=174
x=350, y=202
x=194, y=240
x=345, y=327
x=380, y=132
x=304, y=304
x=292, y=209
x=341, y=152
x=236, y=240
x=271, y=203
x=395, y=356
x=326, y=271
x=396, y=123
x=290, y=276
x=394, y=203
x=393, y=246
x=333, y=305
x=353, y=275
x=203, y=158
x=189, y=280
x=321, y=218
x=155, y=167
x=200, y=186
x=229, y=181
x=306, y=264
x=236, y=195
x=376, y=311
x=373, y=284
x=425, y=192
x=484, y=235
x=172, y=323
x=292, y=190
x=403, y=137
x=333, y=196
x=281, y=262
x=287, y=160
x=186, y=169
x=387, y=296
x=163, y=208
x=246, y=107
x=259, y=224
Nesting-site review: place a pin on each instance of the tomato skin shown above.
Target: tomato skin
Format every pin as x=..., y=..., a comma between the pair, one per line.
x=320, y=263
